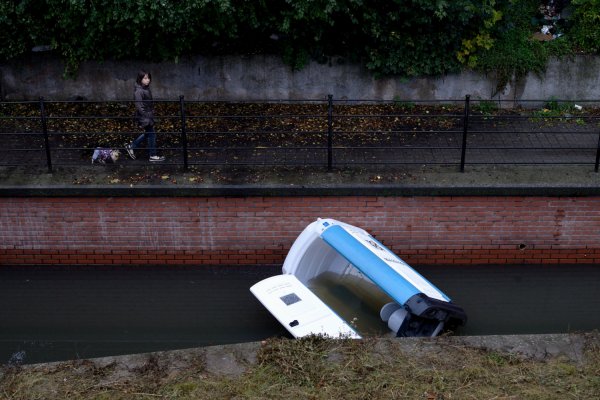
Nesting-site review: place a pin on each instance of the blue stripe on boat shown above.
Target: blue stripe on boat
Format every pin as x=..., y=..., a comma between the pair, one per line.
x=376, y=269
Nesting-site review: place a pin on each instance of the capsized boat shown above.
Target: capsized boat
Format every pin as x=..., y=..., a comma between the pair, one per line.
x=339, y=281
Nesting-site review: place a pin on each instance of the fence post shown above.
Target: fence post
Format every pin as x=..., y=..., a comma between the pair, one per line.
x=45, y=132
x=329, y=132
x=183, y=133
x=597, y=155
x=465, y=132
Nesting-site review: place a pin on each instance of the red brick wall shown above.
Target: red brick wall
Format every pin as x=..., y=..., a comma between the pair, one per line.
x=260, y=230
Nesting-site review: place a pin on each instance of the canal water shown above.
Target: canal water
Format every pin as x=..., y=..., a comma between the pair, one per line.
x=59, y=313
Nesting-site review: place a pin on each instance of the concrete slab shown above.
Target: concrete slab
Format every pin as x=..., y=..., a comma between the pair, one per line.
x=233, y=360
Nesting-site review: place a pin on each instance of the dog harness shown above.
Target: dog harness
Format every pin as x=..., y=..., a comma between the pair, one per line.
x=102, y=155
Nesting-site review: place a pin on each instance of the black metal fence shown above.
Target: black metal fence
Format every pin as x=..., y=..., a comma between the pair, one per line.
x=328, y=133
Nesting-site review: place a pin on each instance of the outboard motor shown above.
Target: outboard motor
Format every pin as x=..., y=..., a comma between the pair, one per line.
x=422, y=316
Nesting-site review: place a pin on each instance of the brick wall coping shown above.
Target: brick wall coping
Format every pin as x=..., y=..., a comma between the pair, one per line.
x=288, y=190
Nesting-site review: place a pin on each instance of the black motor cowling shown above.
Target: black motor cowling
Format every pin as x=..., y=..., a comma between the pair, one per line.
x=422, y=316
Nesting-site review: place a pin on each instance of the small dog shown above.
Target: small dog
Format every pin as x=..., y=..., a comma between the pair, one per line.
x=103, y=156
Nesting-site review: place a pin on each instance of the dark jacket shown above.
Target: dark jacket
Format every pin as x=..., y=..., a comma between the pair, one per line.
x=144, y=107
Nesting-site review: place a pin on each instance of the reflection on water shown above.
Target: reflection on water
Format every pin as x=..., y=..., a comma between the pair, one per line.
x=55, y=313
x=356, y=300
x=524, y=299
x=51, y=313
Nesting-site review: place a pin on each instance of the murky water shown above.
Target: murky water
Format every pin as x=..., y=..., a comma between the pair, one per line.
x=357, y=301
x=63, y=313
x=57, y=313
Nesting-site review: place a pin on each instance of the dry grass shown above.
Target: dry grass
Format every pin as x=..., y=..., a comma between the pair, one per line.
x=316, y=368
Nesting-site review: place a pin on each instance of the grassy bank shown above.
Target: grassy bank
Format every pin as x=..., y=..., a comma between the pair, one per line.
x=315, y=368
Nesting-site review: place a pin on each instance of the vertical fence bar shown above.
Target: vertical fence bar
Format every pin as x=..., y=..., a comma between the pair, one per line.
x=329, y=132
x=463, y=151
x=45, y=132
x=597, y=155
x=183, y=133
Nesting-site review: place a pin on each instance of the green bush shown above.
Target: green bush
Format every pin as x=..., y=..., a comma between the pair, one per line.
x=409, y=38
x=144, y=29
x=414, y=38
x=515, y=53
x=19, y=27
x=388, y=37
x=586, y=25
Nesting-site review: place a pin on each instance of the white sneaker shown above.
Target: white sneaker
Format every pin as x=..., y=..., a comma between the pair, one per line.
x=130, y=151
x=157, y=158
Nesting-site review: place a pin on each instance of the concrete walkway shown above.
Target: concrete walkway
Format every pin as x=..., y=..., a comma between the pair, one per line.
x=519, y=155
x=421, y=140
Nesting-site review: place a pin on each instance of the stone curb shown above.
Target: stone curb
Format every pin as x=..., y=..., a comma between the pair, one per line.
x=233, y=360
x=291, y=190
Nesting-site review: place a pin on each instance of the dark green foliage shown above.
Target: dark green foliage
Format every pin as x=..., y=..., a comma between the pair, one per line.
x=409, y=38
x=586, y=25
x=413, y=38
x=19, y=26
x=144, y=29
x=388, y=37
x=515, y=52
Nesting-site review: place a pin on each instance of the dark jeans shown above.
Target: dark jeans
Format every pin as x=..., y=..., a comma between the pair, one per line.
x=151, y=136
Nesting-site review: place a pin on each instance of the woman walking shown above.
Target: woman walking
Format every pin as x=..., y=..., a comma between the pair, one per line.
x=144, y=114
